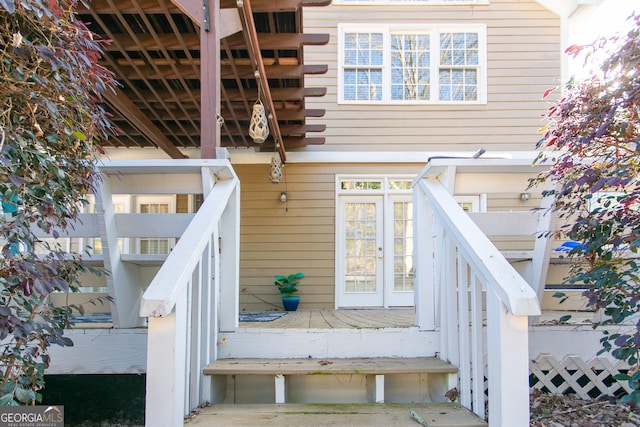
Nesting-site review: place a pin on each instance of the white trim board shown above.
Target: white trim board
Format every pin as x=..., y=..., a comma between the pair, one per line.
x=420, y=157
x=250, y=156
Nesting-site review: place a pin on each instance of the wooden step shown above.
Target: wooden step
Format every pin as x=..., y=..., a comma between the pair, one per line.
x=332, y=381
x=363, y=366
x=354, y=415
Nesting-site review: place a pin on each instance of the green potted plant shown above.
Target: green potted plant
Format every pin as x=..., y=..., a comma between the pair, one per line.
x=288, y=285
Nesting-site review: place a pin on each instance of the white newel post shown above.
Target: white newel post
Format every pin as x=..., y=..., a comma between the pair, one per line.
x=508, y=354
x=166, y=367
x=229, y=262
x=424, y=224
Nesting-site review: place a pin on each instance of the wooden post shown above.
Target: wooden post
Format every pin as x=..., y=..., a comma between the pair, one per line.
x=281, y=393
x=210, y=83
x=375, y=388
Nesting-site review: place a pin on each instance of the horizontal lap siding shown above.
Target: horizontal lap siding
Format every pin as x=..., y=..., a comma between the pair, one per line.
x=276, y=241
x=523, y=52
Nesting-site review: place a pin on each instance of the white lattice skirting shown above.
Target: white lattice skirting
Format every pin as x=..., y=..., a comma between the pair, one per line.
x=572, y=375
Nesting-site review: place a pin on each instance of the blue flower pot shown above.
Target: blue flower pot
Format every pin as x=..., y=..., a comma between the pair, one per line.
x=290, y=303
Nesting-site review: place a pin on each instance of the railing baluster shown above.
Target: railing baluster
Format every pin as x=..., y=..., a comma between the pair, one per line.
x=463, y=332
x=194, y=337
x=206, y=328
x=451, y=290
x=477, y=348
x=187, y=332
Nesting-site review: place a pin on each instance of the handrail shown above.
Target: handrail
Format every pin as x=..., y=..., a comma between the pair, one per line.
x=481, y=253
x=480, y=304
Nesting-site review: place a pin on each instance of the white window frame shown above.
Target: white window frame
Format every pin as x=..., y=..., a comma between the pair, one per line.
x=475, y=203
x=121, y=204
x=156, y=199
x=434, y=30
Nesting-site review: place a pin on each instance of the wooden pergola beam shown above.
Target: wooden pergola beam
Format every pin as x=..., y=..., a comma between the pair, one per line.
x=152, y=6
x=268, y=41
x=120, y=102
x=251, y=36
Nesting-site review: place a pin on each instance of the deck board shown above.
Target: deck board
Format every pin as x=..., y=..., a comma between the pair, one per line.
x=340, y=319
x=329, y=366
x=344, y=415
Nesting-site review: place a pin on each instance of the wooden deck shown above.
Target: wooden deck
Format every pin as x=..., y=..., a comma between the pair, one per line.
x=344, y=415
x=340, y=319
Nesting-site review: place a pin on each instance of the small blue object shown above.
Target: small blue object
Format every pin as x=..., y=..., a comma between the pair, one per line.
x=9, y=207
x=569, y=246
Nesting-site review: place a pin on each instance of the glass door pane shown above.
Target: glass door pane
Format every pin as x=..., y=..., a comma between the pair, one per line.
x=401, y=284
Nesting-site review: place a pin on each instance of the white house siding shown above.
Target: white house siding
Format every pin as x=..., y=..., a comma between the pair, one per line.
x=523, y=59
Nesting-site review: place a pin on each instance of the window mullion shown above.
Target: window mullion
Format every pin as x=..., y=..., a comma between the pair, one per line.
x=386, y=66
x=435, y=66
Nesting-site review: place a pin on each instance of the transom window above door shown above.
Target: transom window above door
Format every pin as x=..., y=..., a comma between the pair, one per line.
x=422, y=64
x=365, y=184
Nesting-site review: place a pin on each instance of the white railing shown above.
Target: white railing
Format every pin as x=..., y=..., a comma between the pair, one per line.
x=472, y=283
x=182, y=304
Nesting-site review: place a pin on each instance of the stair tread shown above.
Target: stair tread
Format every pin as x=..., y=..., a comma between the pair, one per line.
x=369, y=415
x=376, y=365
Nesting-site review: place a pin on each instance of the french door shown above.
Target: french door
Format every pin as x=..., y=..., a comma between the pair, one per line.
x=375, y=249
x=362, y=250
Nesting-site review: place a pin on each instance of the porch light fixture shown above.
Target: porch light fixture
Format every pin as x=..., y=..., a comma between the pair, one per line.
x=258, y=125
x=283, y=197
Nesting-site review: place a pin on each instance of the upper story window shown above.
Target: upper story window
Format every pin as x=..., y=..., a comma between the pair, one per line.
x=412, y=64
